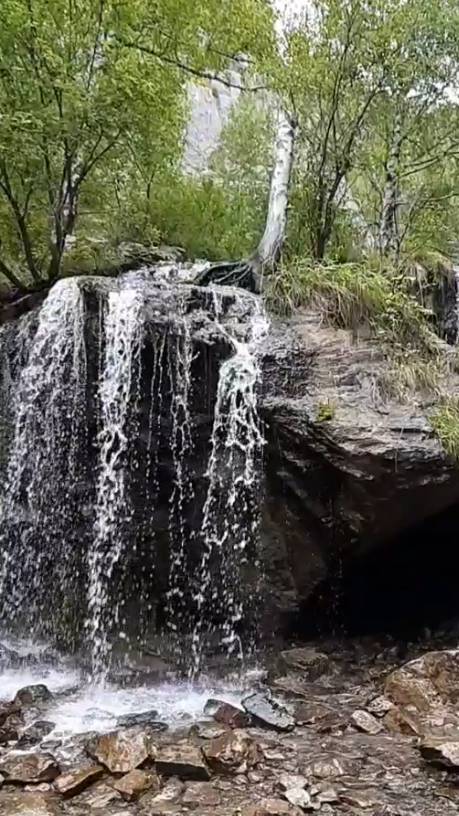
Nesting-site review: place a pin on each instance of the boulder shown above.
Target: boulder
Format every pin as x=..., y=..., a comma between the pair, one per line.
x=74, y=782
x=310, y=663
x=334, y=433
x=443, y=752
x=135, y=783
x=183, y=760
x=426, y=683
x=231, y=716
x=33, y=695
x=27, y=769
x=234, y=752
x=268, y=713
x=121, y=751
x=400, y=721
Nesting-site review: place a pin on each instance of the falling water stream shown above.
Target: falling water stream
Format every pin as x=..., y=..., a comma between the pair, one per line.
x=132, y=473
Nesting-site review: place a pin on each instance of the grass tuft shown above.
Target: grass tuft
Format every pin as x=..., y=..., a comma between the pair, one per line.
x=445, y=424
x=354, y=295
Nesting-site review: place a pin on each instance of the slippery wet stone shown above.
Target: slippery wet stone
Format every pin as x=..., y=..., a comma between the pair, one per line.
x=121, y=751
x=183, y=760
x=149, y=718
x=366, y=722
x=6, y=710
x=29, y=768
x=35, y=733
x=234, y=752
x=268, y=712
x=74, y=782
x=9, y=731
x=135, y=783
x=231, y=716
x=33, y=695
x=208, y=731
x=310, y=663
x=444, y=752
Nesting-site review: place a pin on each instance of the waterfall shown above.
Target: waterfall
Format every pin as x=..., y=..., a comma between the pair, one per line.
x=123, y=337
x=133, y=460
x=39, y=497
x=231, y=511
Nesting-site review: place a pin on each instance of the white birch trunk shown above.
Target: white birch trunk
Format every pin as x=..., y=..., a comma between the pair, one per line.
x=388, y=233
x=270, y=246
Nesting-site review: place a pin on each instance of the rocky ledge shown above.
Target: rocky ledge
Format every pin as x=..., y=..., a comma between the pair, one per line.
x=350, y=470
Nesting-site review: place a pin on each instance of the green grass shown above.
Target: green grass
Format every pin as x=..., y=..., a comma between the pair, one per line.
x=354, y=295
x=445, y=424
x=325, y=411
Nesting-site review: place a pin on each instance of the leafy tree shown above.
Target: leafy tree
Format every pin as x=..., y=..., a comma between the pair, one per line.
x=351, y=67
x=94, y=90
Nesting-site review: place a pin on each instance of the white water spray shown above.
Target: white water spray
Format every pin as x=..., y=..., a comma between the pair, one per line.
x=123, y=337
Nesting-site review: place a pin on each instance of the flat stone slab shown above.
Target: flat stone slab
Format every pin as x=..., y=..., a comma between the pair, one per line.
x=183, y=760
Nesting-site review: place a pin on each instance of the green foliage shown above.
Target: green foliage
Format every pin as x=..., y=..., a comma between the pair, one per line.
x=355, y=295
x=325, y=411
x=411, y=374
x=445, y=424
x=93, y=98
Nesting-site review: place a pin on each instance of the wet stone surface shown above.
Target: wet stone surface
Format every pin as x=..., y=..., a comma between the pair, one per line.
x=376, y=734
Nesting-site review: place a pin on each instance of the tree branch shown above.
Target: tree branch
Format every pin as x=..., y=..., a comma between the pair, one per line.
x=182, y=66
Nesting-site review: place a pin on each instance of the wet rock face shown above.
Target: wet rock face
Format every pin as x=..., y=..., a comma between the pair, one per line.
x=349, y=471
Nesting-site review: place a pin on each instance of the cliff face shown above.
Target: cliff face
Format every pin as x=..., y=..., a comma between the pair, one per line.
x=353, y=480
x=348, y=472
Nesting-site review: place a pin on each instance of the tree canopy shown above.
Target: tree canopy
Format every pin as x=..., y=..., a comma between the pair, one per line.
x=94, y=101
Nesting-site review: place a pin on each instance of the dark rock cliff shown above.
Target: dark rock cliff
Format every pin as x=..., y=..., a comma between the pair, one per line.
x=348, y=470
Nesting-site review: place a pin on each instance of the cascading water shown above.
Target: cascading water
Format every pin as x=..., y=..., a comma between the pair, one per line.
x=41, y=497
x=123, y=337
x=231, y=511
x=133, y=472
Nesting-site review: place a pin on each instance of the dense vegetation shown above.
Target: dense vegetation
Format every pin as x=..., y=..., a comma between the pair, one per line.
x=94, y=99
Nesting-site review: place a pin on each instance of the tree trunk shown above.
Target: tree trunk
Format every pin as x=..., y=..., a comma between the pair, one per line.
x=270, y=247
x=249, y=273
x=389, y=239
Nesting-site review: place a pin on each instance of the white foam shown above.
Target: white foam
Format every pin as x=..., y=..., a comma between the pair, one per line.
x=80, y=706
x=95, y=708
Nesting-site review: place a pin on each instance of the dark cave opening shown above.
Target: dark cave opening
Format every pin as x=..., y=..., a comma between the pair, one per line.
x=405, y=587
